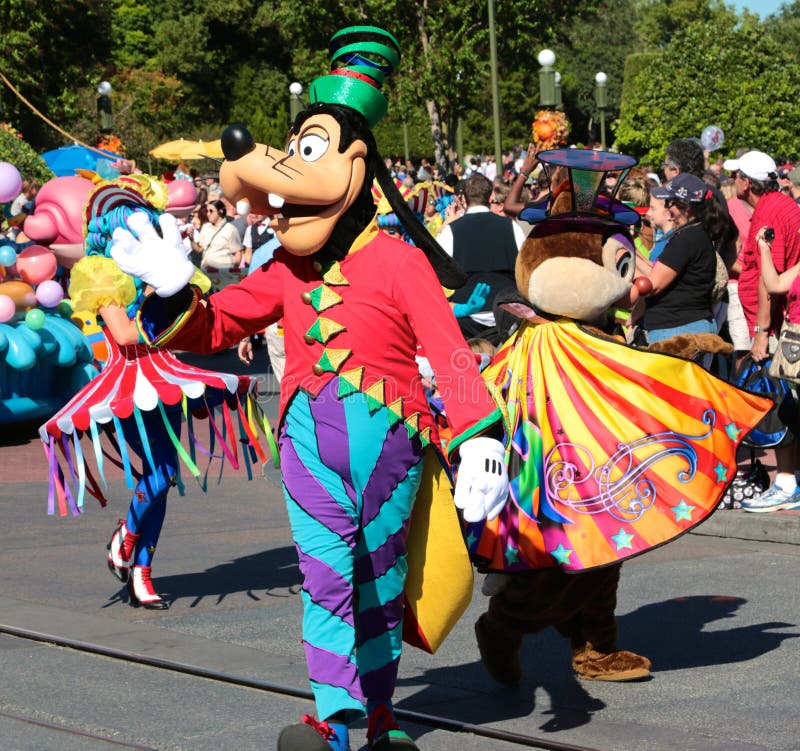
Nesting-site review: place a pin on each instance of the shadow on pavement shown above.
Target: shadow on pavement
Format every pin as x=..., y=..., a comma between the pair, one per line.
x=547, y=665
x=689, y=644
x=273, y=573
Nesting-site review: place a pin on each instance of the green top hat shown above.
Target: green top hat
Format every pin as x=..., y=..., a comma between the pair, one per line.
x=361, y=57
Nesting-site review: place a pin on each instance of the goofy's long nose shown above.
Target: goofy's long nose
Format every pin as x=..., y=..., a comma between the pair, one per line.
x=236, y=142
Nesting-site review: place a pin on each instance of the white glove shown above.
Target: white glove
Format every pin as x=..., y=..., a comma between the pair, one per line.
x=159, y=262
x=482, y=484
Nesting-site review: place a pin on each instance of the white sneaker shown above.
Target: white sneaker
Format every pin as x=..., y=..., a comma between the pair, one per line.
x=773, y=498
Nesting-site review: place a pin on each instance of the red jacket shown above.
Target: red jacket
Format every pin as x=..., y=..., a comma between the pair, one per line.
x=362, y=318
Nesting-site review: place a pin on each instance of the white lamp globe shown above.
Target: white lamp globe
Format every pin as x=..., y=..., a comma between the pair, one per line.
x=601, y=77
x=546, y=58
x=295, y=88
x=104, y=88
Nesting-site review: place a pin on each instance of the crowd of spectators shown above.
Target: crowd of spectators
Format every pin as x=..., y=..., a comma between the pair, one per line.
x=699, y=240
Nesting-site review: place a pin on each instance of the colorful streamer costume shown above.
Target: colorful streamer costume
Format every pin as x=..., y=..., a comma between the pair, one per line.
x=140, y=400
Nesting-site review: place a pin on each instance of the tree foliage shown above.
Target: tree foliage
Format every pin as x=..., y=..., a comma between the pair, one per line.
x=15, y=150
x=49, y=52
x=187, y=68
x=730, y=74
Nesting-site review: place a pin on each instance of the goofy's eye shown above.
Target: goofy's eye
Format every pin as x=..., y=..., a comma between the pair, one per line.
x=312, y=147
x=291, y=148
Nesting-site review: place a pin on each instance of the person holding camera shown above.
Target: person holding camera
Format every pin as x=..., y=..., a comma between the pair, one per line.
x=756, y=178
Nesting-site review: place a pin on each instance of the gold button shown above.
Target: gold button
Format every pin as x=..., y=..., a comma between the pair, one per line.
x=317, y=266
x=318, y=369
x=306, y=298
x=309, y=339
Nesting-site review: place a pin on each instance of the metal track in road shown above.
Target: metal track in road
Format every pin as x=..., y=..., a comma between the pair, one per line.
x=441, y=723
x=74, y=731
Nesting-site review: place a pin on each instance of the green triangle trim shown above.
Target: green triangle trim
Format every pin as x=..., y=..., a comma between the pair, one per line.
x=315, y=331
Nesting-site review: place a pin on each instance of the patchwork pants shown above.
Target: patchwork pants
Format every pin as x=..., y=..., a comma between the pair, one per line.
x=350, y=478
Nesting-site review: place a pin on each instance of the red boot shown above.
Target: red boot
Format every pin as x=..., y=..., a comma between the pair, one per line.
x=141, y=592
x=308, y=735
x=120, y=551
x=384, y=734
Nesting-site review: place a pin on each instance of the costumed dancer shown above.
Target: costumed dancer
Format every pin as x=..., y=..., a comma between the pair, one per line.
x=141, y=396
x=611, y=450
x=355, y=429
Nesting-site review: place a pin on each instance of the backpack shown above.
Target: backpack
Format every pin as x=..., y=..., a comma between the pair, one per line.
x=777, y=427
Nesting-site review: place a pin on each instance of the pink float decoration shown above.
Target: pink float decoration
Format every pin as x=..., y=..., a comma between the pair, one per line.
x=57, y=220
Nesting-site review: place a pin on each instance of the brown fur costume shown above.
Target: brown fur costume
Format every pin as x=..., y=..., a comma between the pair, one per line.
x=567, y=274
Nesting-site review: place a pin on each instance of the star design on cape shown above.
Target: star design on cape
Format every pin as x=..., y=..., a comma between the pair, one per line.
x=722, y=472
x=561, y=554
x=683, y=511
x=471, y=540
x=732, y=431
x=511, y=554
x=623, y=539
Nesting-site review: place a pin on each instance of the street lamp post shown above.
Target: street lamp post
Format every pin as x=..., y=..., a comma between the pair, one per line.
x=601, y=100
x=104, y=114
x=498, y=146
x=547, y=78
x=559, y=99
x=296, y=104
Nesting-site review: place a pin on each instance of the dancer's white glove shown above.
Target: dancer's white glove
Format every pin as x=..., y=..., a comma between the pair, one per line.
x=482, y=484
x=160, y=262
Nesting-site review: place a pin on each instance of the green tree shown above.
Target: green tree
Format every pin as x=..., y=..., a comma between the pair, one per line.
x=658, y=21
x=51, y=52
x=261, y=101
x=784, y=26
x=445, y=65
x=16, y=151
x=729, y=74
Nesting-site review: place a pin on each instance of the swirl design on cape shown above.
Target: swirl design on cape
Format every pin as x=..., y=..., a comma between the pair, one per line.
x=623, y=489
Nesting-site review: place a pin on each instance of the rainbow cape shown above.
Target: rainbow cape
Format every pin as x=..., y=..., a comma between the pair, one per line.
x=611, y=450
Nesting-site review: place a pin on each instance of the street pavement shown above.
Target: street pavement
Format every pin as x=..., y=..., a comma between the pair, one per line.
x=717, y=612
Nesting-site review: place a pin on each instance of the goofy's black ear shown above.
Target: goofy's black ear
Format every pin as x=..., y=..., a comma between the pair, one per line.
x=450, y=274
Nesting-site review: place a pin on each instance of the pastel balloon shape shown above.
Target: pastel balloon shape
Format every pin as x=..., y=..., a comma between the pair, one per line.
x=10, y=182
x=22, y=294
x=8, y=255
x=712, y=138
x=7, y=308
x=36, y=264
x=34, y=319
x=49, y=294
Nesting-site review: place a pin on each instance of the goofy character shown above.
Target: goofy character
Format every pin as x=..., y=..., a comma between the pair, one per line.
x=354, y=426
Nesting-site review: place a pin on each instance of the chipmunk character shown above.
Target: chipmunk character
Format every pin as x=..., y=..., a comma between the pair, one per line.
x=611, y=450
x=354, y=426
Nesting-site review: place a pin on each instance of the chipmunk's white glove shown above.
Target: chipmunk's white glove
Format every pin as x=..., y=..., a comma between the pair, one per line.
x=160, y=262
x=482, y=484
